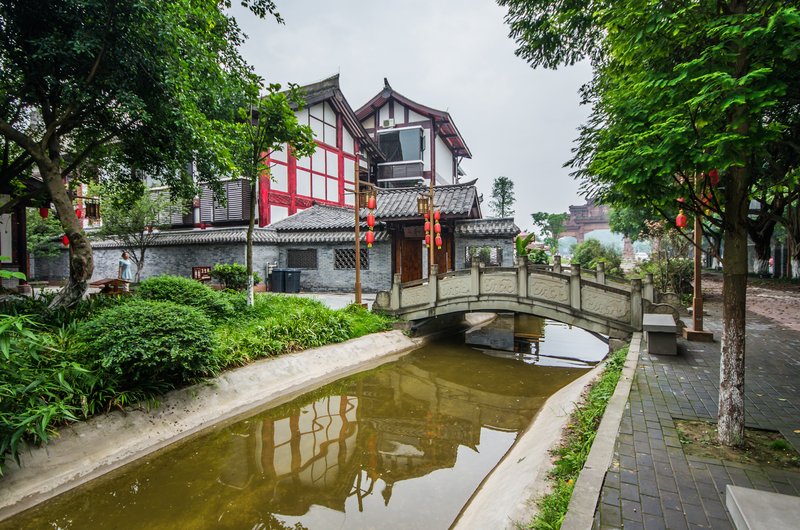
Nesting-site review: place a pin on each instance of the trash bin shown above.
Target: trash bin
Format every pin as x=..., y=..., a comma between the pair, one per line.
x=277, y=281
x=291, y=280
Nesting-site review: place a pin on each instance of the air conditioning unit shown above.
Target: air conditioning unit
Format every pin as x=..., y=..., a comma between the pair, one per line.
x=388, y=123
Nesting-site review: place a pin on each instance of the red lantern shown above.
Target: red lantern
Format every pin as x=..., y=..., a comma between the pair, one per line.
x=370, y=237
x=370, y=221
x=44, y=212
x=437, y=228
x=713, y=177
x=681, y=200
x=65, y=240
x=438, y=242
x=427, y=240
x=680, y=220
x=427, y=226
x=371, y=202
x=79, y=213
x=426, y=216
x=436, y=215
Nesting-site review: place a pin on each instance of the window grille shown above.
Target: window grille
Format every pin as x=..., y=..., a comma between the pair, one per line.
x=345, y=258
x=301, y=259
x=489, y=256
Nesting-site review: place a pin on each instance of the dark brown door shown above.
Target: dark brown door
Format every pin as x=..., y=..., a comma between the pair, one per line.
x=444, y=257
x=410, y=260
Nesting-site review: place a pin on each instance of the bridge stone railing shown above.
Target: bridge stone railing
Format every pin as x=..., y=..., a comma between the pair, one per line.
x=583, y=297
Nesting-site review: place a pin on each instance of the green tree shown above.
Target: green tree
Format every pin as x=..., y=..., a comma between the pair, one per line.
x=151, y=84
x=502, y=197
x=551, y=225
x=680, y=88
x=133, y=222
x=269, y=124
x=43, y=234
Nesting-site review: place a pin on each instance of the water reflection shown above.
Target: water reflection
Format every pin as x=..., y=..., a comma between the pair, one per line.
x=534, y=340
x=401, y=446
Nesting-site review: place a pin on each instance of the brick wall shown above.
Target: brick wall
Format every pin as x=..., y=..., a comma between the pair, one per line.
x=327, y=278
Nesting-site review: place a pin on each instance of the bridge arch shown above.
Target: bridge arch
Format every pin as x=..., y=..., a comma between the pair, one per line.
x=587, y=299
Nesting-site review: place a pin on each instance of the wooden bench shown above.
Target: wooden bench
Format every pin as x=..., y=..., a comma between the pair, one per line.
x=660, y=333
x=201, y=274
x=112, y=286
x=752, y=509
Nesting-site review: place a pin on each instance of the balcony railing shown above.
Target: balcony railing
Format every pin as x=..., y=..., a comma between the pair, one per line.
x=399, y=171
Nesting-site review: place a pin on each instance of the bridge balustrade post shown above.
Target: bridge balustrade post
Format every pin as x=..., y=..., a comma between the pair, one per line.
x=601, y=272
x=648, y=289
x=557, y=263
x=395, y=299
x=475, y=278
x=522, y=277
x=636, y=303
x=433, y=282
x=575, y=286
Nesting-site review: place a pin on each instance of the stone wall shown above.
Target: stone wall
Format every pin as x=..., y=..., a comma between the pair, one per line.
x=327, y=278
x=506, y=245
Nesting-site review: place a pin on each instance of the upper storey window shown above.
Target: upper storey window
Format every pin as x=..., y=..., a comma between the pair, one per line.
x=402, y=145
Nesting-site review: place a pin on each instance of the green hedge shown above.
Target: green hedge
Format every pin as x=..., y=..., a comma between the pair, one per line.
x=188, y=292
x=145, y=342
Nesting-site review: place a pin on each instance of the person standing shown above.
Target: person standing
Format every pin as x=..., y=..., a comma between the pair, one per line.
x=124, y=272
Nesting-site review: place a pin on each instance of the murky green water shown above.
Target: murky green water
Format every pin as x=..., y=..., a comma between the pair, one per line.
x=401, y=446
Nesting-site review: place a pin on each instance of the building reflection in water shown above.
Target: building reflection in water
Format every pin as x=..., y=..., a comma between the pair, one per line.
x=400, y=446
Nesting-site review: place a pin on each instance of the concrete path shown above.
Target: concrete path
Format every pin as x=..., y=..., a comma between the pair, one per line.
x=651, y=482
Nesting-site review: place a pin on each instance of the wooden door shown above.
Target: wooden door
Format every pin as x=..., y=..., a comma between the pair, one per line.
x=444, y=257
x=410, y=260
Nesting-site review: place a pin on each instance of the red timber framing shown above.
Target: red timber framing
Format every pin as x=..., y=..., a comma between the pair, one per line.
x=322, y=178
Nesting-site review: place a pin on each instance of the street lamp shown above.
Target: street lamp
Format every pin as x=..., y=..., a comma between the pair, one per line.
x=370, y=199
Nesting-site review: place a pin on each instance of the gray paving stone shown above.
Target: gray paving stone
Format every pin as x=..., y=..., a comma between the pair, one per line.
x=654, y=485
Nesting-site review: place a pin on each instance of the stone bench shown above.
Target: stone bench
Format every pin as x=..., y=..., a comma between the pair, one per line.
x=660, y=333
x=752, y=509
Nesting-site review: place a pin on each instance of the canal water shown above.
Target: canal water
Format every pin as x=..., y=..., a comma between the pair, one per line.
x=401, y=446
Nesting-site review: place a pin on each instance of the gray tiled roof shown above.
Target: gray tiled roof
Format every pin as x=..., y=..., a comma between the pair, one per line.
x=239, y=235
x=455, y=200
x=318, y=217
x=487, y=227
x=203, y=237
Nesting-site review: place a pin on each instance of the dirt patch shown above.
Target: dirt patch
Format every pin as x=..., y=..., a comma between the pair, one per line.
x=766, y=448
x=777, y=300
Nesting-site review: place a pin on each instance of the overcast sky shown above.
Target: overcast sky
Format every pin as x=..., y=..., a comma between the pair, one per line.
x=453, y=55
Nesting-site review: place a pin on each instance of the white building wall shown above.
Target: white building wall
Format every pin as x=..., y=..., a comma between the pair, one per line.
x=426, y=154
x=399, y=113
x=444, y=162
x=414, y=117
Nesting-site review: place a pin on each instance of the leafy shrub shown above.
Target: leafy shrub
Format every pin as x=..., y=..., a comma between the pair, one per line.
x=591, y=252
x=233, y=275
x=60, y=316
x=185, y=291
x=145, y=342
x=538, y=256
x=670, y=275
x=39, y=386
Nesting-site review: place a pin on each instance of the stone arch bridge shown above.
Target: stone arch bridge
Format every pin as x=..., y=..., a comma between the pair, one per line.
x=587, y=299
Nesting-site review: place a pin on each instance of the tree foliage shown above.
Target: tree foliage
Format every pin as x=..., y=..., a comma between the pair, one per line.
x=550, y=225
x=503, y=199
x=133, y=222
x=268, y=124
x=148, y=84
x=681, y=89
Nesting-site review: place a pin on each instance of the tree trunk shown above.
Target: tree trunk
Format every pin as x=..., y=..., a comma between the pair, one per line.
x=249, y=257
x=760, y=231
x=730, y=426
x=81, y=264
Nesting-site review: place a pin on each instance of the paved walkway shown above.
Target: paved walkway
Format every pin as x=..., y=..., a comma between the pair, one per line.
x=651, y=482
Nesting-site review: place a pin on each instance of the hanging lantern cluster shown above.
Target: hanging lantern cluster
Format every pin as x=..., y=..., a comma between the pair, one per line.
x=371, y=205
x=437, y=229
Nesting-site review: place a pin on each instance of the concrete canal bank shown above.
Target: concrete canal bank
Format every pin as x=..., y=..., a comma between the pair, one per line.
x=91, y=449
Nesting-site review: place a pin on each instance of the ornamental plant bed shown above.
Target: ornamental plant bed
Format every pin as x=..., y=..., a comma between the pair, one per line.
x=766, y=448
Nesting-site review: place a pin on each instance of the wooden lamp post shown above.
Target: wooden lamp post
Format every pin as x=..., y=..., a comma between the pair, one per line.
x=370, y=198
